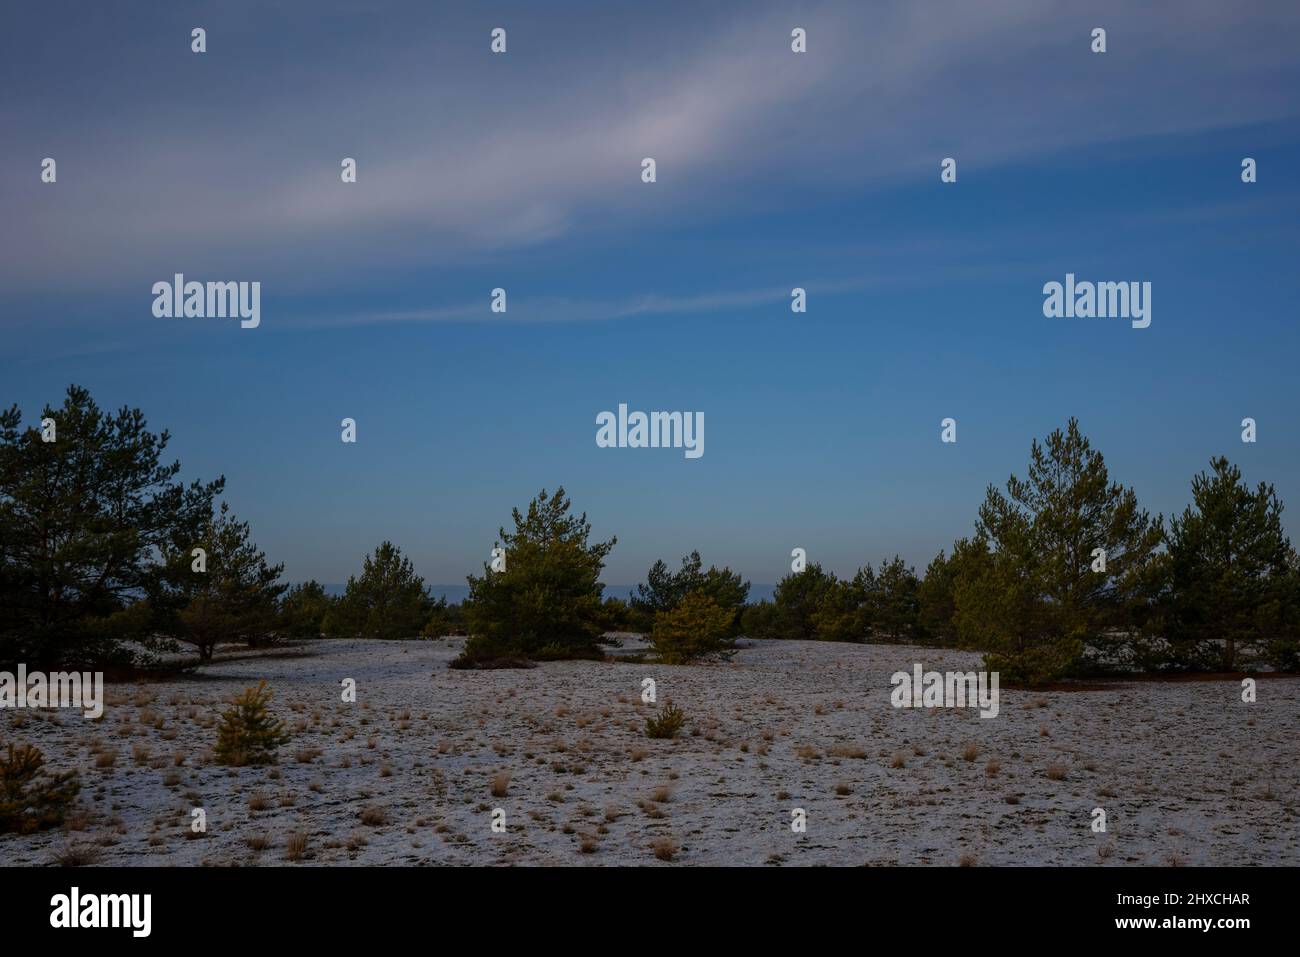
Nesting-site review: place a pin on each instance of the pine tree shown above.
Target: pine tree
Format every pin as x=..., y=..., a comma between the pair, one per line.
x=665, y=589
x=892, y=605
x=303, y=610
x=935, y=600
x=233, y=599
x=694, y=628
x=801, y=596
x=81, y=520
x=248, y=733
x=388, y=600
x=32, y=799
x=1231, y=574
x=1042, y=594
x=840, y=611
x=546, y=603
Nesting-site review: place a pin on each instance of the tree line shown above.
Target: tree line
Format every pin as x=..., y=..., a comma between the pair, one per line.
x=106, y=556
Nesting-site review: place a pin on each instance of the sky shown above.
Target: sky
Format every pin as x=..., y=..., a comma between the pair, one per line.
x=775, y=170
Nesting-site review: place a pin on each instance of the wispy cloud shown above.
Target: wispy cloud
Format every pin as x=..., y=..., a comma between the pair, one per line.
x=463, y=155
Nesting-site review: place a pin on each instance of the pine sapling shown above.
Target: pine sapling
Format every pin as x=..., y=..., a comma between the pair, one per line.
x=249, y=734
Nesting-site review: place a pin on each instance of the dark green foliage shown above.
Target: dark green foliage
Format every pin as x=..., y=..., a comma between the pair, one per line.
x=81, y=519
x=444, y=619
x=935, y=600
x=1282, y=642
x=303, y=611
x=1230, y=577
x=439, y=623
x=797, y=598
x=696, y=627
x=891, y=600
x=616, y=615
x=387, y=601
x=667, y=723
x=1028, y=595
x=487, y=663
x=664, y=589
x=235, y=599
x=759, y=620
x=839, y=609
x=32, y=799
x=248, y=733
x=547, y=601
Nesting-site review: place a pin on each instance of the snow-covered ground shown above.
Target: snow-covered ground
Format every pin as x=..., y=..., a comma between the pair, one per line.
x=1185, y=771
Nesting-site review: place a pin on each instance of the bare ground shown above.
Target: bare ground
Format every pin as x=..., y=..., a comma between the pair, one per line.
x=1186, y=772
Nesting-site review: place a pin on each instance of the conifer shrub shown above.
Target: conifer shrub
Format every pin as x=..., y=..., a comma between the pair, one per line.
x=32, y=799
x=249, y=734
x=666, y=723
x=695, y=628
x=546, y=602
x=664, y=589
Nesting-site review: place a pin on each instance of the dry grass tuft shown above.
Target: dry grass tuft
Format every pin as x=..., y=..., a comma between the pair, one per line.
x=500, y=784
x=295, y=847
x=665, y=848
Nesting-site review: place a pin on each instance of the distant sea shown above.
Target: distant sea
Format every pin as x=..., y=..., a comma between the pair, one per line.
x=455, y=594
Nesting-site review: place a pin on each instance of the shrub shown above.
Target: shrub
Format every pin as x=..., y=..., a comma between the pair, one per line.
x=665, y=590
x=32, y=799
x=666, y=723
x=248, y=733
x=78, y=854
x=696, y=628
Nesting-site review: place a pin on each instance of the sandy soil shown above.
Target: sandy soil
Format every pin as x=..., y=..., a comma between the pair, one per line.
x=1186, y=772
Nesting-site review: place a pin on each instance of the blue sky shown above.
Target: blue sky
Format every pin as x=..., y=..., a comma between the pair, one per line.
x=775, y=170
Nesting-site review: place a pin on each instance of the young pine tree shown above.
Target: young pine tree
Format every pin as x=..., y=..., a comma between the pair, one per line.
x=388, y=600
x=892, y=602
x=546, y=603
x=1231, y=575
x=1068, y=558
x=32, y=798
x=248, y=733
x=232, y=596
x=303, y=610
x=934, y=601
x=665, y=589
x=696, y=627
x=800, y=596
